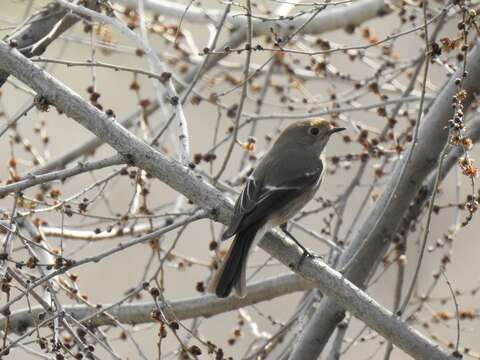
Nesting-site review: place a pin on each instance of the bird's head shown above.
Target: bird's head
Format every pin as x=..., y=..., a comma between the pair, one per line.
x=313, y=134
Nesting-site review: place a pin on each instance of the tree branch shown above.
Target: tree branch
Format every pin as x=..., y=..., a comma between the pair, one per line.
x=32, y=180
x=336, y=17
x=360, y=259
x=35, y=34
x=190, y=184
x=205, y=305
x=171, y=172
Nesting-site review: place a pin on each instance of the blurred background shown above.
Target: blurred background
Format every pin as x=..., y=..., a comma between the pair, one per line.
x=350, y=80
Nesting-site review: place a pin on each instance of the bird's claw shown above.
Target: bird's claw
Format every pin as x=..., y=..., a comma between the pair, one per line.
x=305, y=254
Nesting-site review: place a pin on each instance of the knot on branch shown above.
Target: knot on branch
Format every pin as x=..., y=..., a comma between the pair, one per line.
x=41, y=103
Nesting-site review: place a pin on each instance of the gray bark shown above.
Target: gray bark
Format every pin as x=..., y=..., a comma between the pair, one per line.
x=374, y=236
x=190, y=184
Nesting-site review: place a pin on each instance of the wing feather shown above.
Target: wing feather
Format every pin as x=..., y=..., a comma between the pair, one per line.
x=256, y=200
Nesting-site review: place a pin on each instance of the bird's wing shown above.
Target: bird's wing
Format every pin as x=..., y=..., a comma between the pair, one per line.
x=258, y=199
x=246, y=202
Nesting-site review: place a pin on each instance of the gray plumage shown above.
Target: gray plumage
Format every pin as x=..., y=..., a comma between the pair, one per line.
x=281, y=185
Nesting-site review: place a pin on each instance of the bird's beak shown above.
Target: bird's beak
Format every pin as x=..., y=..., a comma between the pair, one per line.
x=334, y=130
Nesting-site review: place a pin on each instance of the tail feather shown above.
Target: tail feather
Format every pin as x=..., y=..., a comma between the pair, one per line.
x=232, y=272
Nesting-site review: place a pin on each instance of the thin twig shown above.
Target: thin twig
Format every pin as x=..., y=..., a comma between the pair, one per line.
x=243, y=95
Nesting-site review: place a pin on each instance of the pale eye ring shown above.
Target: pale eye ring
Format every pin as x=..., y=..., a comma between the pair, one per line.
x=314, y=131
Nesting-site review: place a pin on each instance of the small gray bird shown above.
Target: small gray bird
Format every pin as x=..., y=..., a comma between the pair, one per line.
x=283, y=182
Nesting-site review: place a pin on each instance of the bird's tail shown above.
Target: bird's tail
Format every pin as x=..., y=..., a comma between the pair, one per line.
x=233, y=270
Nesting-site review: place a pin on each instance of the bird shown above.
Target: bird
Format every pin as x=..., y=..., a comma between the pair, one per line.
x=283, y=182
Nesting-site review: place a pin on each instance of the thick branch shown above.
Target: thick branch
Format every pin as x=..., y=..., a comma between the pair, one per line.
x=451, y=160
x=335, y=17
x=34, y=35
x=190, y=184
x=171, y=172
x=373, y=238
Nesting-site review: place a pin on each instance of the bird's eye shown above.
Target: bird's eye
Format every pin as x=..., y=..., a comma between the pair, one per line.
x=313, y=131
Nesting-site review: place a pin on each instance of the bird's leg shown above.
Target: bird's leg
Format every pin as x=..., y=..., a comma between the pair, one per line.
x=305, y=253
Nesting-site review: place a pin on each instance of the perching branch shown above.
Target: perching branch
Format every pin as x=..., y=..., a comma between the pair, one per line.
x=200, y=192
x=360, y=259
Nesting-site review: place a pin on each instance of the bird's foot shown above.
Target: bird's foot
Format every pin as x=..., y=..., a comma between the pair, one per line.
x=305, y=254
